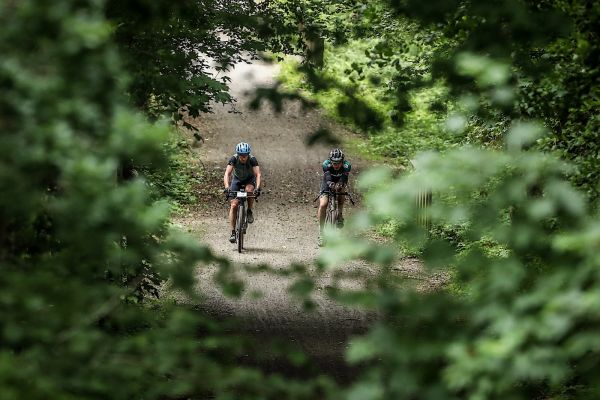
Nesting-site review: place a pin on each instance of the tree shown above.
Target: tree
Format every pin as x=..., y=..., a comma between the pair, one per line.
x=517, y=315
x=80, y=255
x=177, y=54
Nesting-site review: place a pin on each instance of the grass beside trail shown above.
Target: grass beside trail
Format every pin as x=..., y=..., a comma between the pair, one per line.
x=418, y=128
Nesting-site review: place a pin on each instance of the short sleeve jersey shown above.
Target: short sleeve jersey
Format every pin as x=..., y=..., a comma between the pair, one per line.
x=341, y=173
x=243, y=171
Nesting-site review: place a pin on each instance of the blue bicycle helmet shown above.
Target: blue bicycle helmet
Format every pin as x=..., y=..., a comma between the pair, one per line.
x=242, y=148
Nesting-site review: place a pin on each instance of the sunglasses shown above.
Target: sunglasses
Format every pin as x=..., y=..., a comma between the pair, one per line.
x=336, y=162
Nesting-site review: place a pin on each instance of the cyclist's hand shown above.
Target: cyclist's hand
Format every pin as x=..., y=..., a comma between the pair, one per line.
x=257, y=192
x=331, y=185
x=339, y=187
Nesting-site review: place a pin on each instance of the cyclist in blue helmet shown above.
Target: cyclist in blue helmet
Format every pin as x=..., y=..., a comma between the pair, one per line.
x=336, y=170
x=242, y=171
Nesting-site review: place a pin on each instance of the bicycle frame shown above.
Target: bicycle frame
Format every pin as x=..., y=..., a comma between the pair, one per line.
x=331, y=214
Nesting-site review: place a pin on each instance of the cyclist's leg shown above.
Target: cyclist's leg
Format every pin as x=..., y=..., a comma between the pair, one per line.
x=232, y=218
x=250, y=185
x=322, y=210
x=233, y=213
x=321, y=214
x=323, y=200
x=234, y=187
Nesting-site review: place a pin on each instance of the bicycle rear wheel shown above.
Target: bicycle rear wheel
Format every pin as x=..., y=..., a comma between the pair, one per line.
x=239, y=227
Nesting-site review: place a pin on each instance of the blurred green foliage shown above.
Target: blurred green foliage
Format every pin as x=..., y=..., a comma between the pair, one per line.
x=521, y=325
x=83, y=254
x=385, y=62
x=421, y=128
x=176, y=54
x=517, y=317
x=448, y=73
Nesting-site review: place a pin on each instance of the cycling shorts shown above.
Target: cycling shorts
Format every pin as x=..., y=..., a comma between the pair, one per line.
x=237, y=184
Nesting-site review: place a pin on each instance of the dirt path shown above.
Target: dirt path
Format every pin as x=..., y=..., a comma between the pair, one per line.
x=285, y=230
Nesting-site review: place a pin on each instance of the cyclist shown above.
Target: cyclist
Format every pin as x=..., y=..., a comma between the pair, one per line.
x=244, y=169
x=335, y=178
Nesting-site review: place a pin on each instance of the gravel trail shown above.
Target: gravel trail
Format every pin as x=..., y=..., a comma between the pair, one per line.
x=285, y=229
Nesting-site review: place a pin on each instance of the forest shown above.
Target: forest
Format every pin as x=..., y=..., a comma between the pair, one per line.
x=491, y=108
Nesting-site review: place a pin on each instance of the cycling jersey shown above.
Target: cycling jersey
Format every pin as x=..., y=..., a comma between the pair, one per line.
x=243, y=171
x=330, y=174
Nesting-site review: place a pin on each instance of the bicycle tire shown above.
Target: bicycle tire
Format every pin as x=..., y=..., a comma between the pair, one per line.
x=327, y=216
x=331, y=213
x=239, y=227
x=335, y=219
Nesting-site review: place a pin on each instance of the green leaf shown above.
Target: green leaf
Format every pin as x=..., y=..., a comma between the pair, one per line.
x=361, y=349
x=523, y=134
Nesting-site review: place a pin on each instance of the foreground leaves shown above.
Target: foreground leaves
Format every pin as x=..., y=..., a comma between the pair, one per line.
x=83, y=253
x=512, y=324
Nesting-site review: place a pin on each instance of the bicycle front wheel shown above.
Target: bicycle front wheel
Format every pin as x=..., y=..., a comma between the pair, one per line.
x=239, y=227
x=331, y=214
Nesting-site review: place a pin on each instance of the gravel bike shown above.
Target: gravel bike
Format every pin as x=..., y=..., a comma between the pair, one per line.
x=332, y=215
x=241, y=221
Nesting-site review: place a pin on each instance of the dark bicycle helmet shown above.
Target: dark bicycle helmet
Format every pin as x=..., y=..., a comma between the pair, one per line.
x=336, y=155
x=242, y=148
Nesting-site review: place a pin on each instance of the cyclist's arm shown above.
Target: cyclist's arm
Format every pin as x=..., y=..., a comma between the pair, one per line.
x=344, y=179
x=227, y=176
x=327, y=177
x=256, y=170
x=345, y=174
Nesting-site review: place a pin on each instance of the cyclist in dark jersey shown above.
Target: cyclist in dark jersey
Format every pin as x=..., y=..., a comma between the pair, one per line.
x=243, y=168
x=336, y=171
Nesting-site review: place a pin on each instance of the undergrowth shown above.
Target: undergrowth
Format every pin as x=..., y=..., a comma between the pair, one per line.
x=178, y=182
x=420, y=127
